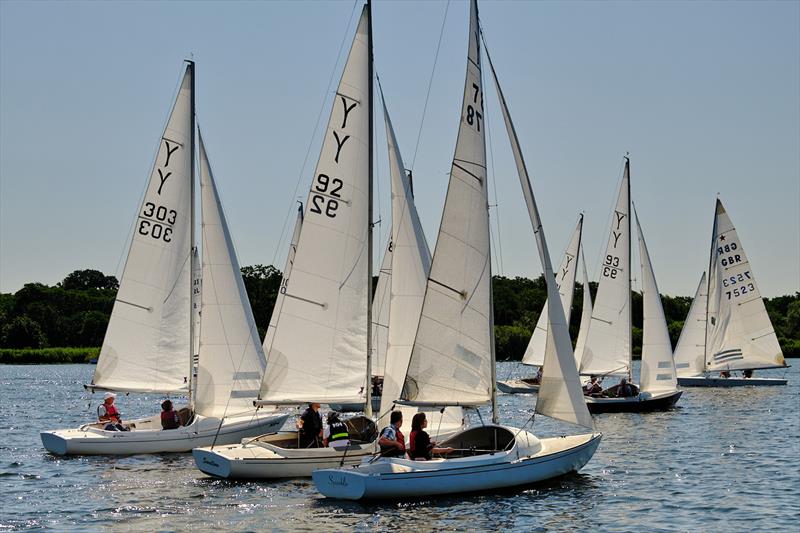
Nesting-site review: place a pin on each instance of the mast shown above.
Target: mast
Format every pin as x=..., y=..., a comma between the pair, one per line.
x=192, y=242
x=708, y=287
x=630, y=283
x=371, y=74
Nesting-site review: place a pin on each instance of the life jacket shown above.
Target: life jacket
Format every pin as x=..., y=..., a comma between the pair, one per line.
x=412, y=444
x=339, y=431
x=170, y=420
x=110, y=410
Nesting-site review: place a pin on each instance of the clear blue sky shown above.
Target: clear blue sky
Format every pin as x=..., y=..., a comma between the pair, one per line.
x=704, y=95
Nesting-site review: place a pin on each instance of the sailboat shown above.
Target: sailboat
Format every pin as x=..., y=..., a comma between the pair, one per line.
x=452, y=357
x=727, y=328
x=608, y=348
x=152, y=336
x=319, y=348
x=534, y=353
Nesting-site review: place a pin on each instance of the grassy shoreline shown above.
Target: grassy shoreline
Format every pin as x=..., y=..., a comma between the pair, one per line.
x=47, y=356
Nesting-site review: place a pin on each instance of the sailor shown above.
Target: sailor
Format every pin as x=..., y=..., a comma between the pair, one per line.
x=336, y=434
x=108, y=412
x=421, y=447
x=624, y=389
x=392, y=442
x=747, y=374
x=169, y=417
x=310, y=427
x=592, y=387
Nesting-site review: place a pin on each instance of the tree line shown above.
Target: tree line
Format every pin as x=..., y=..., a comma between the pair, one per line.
x=75, y=311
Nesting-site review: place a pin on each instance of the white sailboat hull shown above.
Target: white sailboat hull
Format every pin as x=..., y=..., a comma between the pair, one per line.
x=702, y=381
x=517, y=386
x=259, y=459
x=642, y=402
x=527, y=461
x=148, y=437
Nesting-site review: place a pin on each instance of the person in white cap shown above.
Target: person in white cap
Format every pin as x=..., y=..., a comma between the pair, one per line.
x=108, y=412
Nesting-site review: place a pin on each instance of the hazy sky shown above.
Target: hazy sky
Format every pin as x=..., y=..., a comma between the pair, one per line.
x=704, y=95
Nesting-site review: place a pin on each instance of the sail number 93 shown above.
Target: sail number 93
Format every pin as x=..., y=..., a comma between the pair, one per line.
x=610, y=266
x=326, y=202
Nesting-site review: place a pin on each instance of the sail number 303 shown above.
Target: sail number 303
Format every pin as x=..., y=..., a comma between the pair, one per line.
x=156, y=222
x=328, y=201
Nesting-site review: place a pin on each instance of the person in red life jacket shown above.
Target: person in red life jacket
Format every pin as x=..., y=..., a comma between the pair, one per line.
x=391, y=441
x=420, y=446
x=170, y=419
x=107, y=412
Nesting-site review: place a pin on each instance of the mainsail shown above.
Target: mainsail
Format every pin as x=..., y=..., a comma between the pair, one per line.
x=451, y=360
x=231, y=363
x=380, y=313
x=287, y=272
x=319, y=352
x=739, y=332
x=565, y=278
x=608, y=343
x=560, y=394
x=658, y=367
x=691, y=349
x=148, y=345
x=586, y=312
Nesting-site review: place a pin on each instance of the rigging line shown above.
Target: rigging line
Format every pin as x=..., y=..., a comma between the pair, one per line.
x=430, y=84
x=279, y=246
x=377, y=180
x=499, y=247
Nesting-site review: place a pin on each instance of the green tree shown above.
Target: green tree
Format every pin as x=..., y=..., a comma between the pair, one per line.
x=262, y=284
x=89, y=279
x=22, y=332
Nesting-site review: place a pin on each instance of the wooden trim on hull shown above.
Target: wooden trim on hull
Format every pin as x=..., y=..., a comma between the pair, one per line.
x=700, y=381
x=633, y=404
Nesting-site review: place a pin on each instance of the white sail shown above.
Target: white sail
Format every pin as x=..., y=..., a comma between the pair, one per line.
x=565, y=278
x=608, y=343
x=658, y=367
x=740, y=334
x=691, y=349
x=147, y=346
x=287, y=272
x=560, y=395
x=319, y=352
x=586, y=313
x=231, y=363
x=380, y=314
x=411, y=262
x=451, y=361
x=197, y=303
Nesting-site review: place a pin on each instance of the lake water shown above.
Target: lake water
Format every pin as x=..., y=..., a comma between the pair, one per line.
x=725, y=460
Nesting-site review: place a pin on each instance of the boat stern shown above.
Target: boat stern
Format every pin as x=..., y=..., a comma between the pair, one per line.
x=340, y=483
x=53, y=442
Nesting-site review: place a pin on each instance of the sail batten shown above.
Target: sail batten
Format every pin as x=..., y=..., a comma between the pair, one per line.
x=320, y=347
x=148, y=345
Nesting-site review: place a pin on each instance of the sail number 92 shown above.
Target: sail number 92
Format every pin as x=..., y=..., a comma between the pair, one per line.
x=327, y=202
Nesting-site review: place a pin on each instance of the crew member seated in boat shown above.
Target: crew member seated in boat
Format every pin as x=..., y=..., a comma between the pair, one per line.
x=310, y=427
x=392, y=442
x=336, y=433
x=420, y=446
x=624, y=389
x=592, y=387
x=170, y=419
x=108, y=412
x=747, y=374
x=725, y=374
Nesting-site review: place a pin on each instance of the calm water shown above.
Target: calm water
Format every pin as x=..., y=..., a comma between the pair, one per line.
x=726, y=460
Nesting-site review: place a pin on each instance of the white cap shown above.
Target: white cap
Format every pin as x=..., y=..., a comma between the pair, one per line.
x=108, y=395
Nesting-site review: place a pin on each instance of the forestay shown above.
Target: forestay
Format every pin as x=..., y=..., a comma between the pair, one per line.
x=691, y=349
x=287, y=272
x=740, y=334
x=147, y=347
x=565, y=278
x=560, y=395
x=451, y=358
x=231, y=363
x=380, y=314
x=586, y=312
x=658, y=367
x=319, y=352
x=608, y=343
